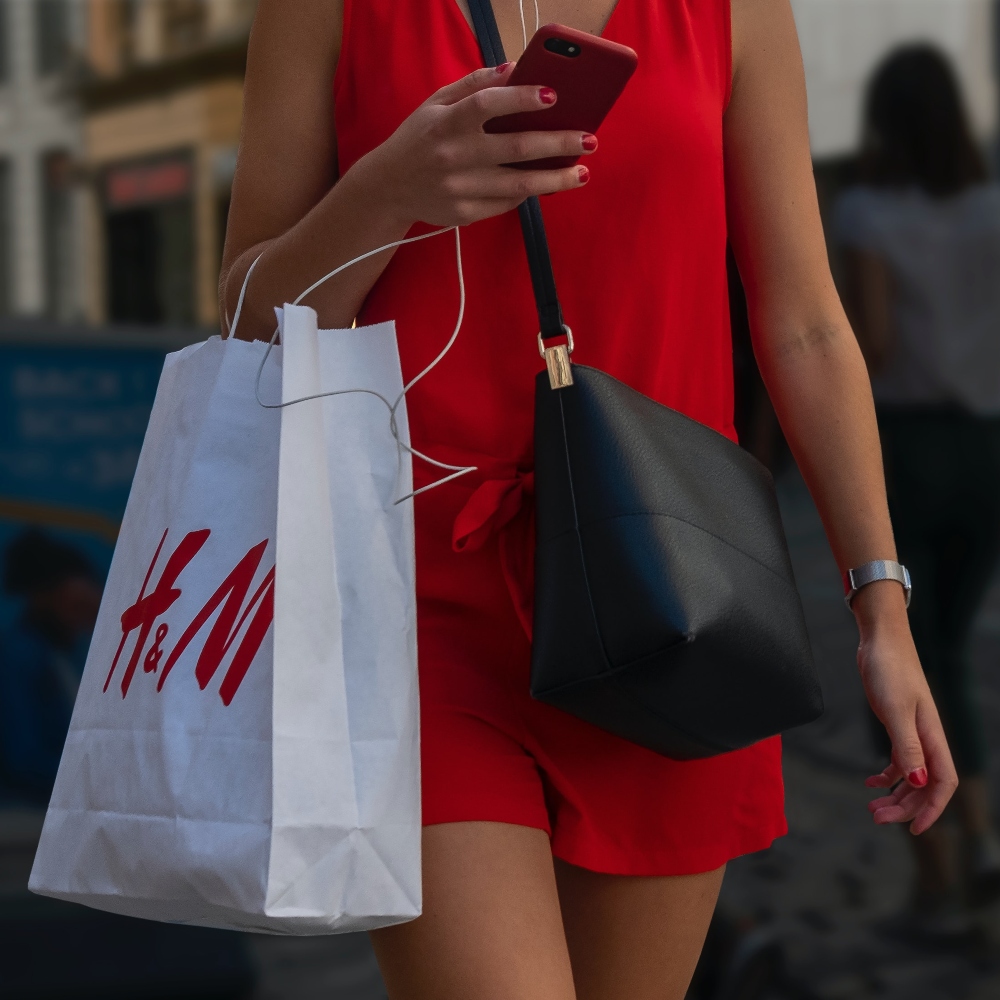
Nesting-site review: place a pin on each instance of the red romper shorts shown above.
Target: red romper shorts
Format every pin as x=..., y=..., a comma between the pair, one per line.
x=640, y=262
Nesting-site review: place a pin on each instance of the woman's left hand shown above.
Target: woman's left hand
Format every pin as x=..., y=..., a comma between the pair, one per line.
x=922, y=775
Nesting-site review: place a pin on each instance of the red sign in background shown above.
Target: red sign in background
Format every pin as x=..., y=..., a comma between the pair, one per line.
x=148, y=183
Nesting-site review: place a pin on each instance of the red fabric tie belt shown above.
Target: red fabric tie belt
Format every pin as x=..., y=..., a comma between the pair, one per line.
x=504, y=505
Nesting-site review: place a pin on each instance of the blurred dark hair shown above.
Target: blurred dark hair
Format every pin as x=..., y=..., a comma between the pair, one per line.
x=35, y=561
x=916, y=130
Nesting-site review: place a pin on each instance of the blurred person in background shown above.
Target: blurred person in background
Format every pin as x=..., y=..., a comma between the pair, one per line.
x=921, y=239
x=41, y=660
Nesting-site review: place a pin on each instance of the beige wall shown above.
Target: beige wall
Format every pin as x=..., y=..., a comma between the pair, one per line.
x=224, y=19
x=205, y=120
x=843, y=40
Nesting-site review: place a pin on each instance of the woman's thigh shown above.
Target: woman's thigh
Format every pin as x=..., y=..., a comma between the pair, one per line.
x=491, y=927
x=635, y=938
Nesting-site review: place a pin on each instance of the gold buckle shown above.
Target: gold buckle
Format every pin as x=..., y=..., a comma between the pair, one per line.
x=557, y=360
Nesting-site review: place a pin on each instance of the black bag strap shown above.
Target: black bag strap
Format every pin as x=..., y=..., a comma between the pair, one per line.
x=484, y=23
x=543, y=282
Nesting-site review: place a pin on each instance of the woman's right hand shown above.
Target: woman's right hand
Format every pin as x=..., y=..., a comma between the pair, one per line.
x=440, y=167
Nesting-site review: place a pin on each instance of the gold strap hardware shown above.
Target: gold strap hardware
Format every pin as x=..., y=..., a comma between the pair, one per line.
x=557, y=360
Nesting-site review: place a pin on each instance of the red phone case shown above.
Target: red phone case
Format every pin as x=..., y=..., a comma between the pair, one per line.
x=586, y=84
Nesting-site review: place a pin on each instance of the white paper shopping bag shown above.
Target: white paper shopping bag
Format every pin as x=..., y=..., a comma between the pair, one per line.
x=244, y=747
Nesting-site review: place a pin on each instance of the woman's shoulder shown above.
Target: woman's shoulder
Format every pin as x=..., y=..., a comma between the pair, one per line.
x=294, y=38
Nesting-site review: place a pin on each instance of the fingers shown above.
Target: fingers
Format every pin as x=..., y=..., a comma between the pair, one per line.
x=461, y=169
x=907, y=749
x=520, y=147
x=550, y=181
x=924, y=783
x=886, y=779
x=496, y=101
x=540, y=182
x=488, y=76
x=943, y=778
x=513, y=186
x=899, y=807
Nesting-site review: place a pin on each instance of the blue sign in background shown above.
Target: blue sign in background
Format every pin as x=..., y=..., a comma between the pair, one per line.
x=72, y=420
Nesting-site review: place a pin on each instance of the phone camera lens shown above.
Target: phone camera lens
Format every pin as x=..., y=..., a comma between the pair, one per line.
x=562, y=48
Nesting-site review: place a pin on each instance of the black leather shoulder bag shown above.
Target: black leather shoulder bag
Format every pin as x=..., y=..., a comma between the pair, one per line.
x=666, y=611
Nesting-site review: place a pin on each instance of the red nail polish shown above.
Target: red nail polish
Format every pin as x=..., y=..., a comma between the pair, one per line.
x=918, y=778
x=589, y=142
x=547, y=95
x=503, y=67
x=583, y=174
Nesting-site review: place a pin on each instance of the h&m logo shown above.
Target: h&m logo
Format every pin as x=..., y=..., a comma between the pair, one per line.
x=231, y=596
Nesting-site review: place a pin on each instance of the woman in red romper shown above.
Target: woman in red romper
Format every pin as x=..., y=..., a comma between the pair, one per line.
x=561, y=861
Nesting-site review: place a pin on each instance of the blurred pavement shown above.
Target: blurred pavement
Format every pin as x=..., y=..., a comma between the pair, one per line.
x=834, y=888
x=831, y=891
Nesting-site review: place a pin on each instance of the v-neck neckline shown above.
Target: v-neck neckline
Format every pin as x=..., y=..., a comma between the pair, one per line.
x=471, y=31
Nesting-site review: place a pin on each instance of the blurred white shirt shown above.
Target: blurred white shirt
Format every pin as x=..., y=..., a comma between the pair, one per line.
x=944, y=257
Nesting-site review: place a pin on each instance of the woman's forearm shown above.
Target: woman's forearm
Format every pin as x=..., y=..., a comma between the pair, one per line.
x=821, y=393
x=351, y=219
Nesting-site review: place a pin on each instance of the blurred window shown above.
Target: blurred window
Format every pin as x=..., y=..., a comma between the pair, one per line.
x=150, y=241
x=235, y=17
x=51, y=35
x=6, y=239
x=57, y=233
x=184, y=24
x=124, y=27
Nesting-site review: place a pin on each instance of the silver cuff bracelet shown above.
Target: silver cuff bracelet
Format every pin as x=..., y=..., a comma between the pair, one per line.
x=877, y=569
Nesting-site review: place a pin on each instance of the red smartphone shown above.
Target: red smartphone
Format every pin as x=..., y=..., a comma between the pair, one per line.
x=587, y=73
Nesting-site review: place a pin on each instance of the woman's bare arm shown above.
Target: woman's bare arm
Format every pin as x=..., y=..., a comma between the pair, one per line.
x=290, y=203
x=816, y=377
x=287, y=162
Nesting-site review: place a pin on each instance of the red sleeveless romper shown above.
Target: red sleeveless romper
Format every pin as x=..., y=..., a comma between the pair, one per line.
x=639, y=256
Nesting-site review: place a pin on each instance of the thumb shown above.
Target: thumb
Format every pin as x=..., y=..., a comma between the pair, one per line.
x=908, y=753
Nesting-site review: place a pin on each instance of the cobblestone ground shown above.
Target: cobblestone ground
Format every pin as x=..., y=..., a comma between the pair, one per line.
x=832, y=891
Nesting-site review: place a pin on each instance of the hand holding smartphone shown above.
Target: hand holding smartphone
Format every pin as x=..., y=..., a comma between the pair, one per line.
x=588, y=74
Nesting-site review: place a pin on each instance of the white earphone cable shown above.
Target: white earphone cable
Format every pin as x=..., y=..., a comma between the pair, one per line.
x=455, y=470
x=524, y=27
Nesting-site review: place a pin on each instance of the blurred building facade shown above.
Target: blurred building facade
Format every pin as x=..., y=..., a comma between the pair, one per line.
x=160, y=104
x=119, y=124
x=40, y=140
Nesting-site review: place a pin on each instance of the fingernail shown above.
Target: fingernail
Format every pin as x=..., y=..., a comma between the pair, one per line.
x=547, y=95
x=589, y=142
x=918, y=778
x=503, y=67
x=582, y=174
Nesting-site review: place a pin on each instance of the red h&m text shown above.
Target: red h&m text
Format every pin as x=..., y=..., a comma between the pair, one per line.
x=231, y=597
